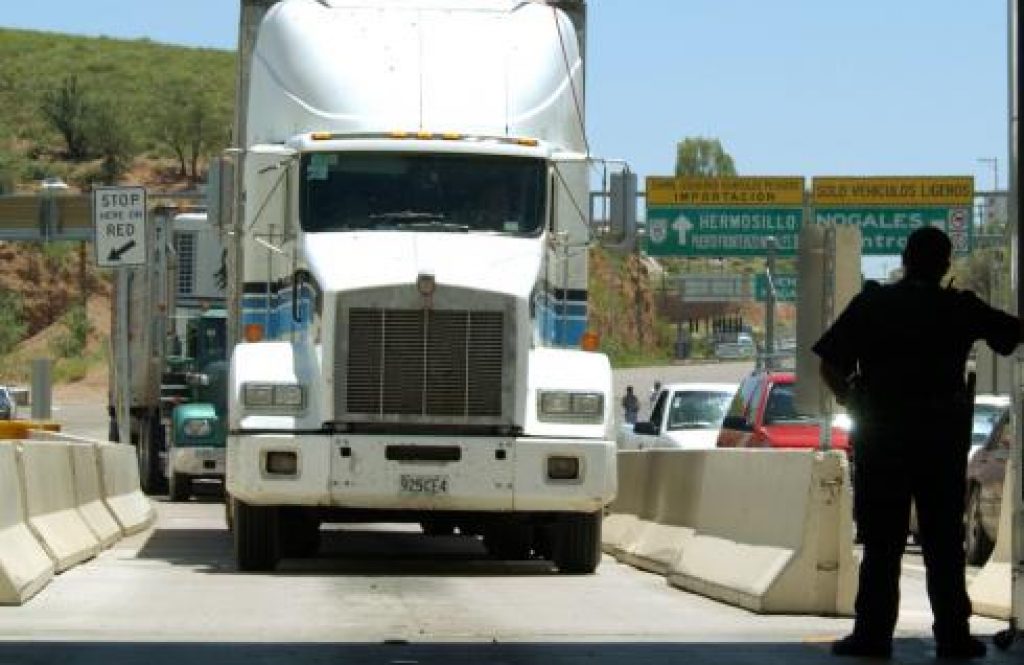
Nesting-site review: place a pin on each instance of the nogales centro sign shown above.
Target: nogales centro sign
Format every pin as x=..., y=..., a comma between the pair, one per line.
x=695, y=216
x=888, y=209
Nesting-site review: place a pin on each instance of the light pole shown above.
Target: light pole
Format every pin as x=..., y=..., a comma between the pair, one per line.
x=994, y=161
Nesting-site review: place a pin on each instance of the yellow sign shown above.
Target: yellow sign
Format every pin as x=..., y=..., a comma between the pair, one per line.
x=894, y=191
x=753, y=191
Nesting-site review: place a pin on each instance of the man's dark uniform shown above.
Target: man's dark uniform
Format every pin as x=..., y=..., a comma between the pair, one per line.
x=907, y=345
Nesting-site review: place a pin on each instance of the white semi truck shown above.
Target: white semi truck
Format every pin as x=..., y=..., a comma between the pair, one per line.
x=408, y=276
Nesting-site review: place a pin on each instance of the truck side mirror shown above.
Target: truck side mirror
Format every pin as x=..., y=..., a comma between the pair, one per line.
x=645, y=428
x=299, y=279
x=737, y=423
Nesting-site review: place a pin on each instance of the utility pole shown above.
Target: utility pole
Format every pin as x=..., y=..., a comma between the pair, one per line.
x=994, y=162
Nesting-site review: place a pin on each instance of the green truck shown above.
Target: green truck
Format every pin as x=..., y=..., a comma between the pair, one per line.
x=196, y=435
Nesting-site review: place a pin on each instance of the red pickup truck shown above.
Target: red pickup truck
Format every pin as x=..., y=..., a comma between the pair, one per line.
x=763, y=415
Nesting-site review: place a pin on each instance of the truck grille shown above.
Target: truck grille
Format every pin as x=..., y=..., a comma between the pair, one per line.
x=424, y=362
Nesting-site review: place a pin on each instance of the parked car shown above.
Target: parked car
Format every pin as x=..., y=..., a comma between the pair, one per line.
x=988, y=409
x=990, y=413
x=762, y=414
x=685, y=415
x=985, y=472
x=8, y=407
x=740, y=346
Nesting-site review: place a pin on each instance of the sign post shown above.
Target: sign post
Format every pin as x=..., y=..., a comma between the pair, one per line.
x=119, y=216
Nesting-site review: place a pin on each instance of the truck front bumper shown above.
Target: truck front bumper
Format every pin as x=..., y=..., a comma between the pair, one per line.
x=420, y=473
x=198, y=461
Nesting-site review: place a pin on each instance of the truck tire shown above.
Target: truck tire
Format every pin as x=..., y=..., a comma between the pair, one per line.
x=577, y=546
x=257, y=537
x=299, y=532
x=180, y=487
x=149, y=442
x=509, y=542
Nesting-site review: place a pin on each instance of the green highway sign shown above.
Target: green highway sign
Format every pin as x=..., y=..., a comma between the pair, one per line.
x=674, y=230
x=785, y=287
x=884, y=230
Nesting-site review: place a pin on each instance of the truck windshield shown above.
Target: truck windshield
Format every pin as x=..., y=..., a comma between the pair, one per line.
x=350, y=191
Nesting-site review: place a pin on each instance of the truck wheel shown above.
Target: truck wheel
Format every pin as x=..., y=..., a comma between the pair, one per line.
x=577, y=546
x=229, y=512
x=299, y=532
x=257, y=537
x=509, y=542
x=149, y=442
x=181, y=487
x=977, y=544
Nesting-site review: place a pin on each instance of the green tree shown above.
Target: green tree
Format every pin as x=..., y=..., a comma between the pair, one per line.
x=67, y=110
x=700, y=156
x=193, y=124
x=109, y=133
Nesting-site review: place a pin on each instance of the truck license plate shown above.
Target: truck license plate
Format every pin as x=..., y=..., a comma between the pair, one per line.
x=417, y=484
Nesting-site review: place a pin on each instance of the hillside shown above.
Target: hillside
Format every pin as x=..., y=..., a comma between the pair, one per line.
x=137, y=79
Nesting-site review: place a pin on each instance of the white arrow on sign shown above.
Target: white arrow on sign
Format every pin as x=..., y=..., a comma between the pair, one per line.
x=682, y=226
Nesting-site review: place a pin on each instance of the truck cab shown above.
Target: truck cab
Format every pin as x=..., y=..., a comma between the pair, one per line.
x=198, y=432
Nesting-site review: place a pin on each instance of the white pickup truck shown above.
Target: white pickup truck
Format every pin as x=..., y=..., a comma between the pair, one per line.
x=685, y=415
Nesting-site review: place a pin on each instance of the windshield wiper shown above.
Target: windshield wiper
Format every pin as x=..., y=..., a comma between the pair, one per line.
x=419, y=221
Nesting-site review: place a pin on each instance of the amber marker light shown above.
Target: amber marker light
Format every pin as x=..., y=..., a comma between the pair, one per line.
x=590, y=341
x=322, y=136
x=253, y=332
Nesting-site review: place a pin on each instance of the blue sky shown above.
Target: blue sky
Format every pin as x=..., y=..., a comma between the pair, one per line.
x=791, y=87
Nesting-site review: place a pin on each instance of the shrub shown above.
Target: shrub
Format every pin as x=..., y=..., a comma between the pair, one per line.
x=12, y=324
x=71, y=342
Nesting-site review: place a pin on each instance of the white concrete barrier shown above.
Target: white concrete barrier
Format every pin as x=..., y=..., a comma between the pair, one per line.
x=670, y=511
x=768, y=530
x=990, y=589
x=89, y=494
x=51, y=504
x=25, y=567
x=119, y=475
x=623, y=520
x=774, y=533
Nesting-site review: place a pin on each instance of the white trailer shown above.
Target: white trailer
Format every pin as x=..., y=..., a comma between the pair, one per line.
x=409, y=279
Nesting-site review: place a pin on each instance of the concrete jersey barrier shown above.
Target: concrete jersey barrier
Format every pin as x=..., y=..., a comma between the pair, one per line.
x=991, y=589
x=25, y=567
x=623, y=521
x=119, y=473
x=774, y=533
x=51, y=504
x=771, y=531
x=89, y=494
x=672, y=499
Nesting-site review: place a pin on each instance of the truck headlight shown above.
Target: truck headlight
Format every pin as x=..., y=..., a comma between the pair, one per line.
x=197, y=427
x=269, y=396
x=570, y=407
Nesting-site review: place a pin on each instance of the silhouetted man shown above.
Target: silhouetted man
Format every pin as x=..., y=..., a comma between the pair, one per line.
x=897, y=357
